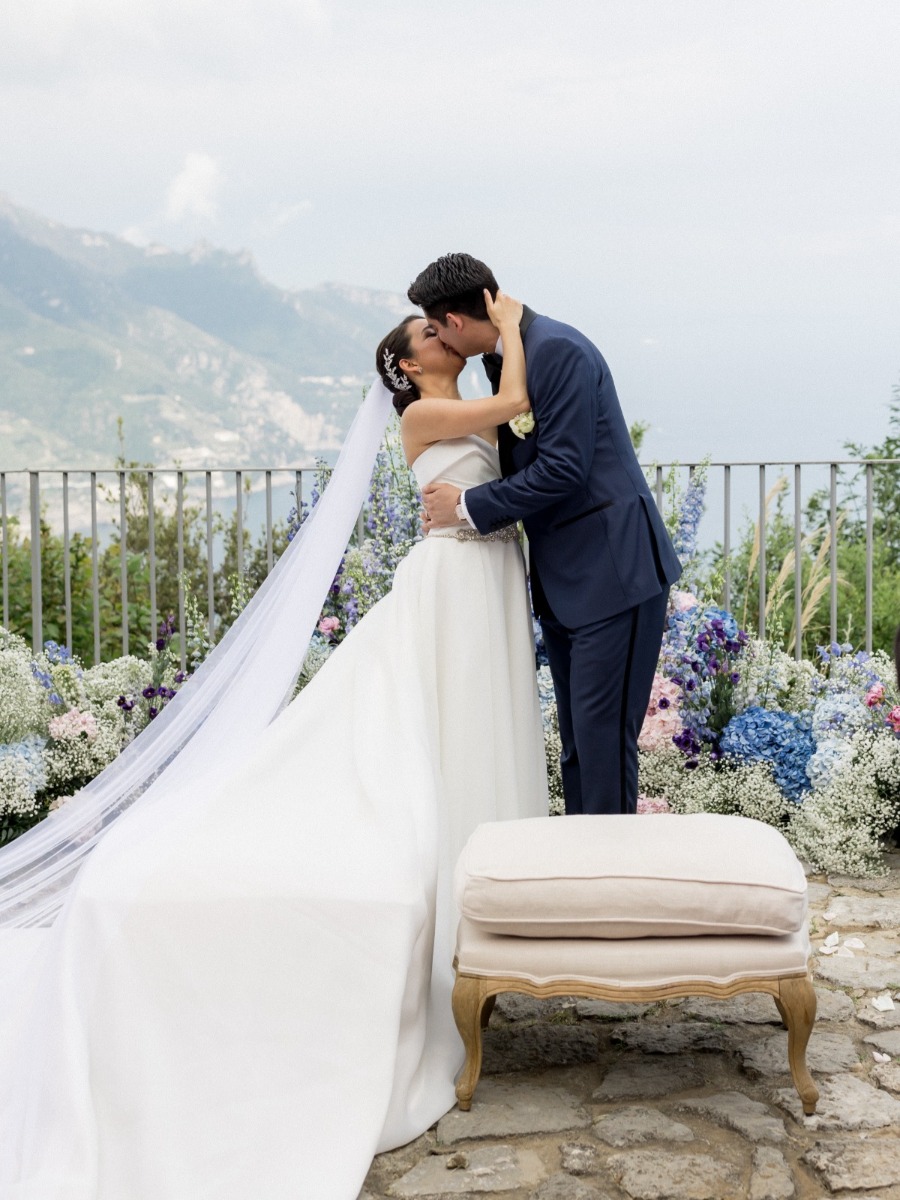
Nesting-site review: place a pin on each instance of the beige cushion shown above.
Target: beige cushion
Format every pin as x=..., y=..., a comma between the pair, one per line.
x=618, y=963
x=656, y=875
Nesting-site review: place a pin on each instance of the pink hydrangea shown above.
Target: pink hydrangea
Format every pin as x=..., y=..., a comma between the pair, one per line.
x=653, y=804
x=875, y=695
x=73, y=724
x=662, y=721
x=329, y=625
x=893, y=718
x=684, y=600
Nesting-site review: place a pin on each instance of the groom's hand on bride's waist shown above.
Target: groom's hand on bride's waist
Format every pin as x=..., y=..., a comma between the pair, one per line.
x=440, y=501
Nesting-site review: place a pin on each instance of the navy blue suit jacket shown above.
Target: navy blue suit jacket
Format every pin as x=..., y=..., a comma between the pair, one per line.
x=597, y=542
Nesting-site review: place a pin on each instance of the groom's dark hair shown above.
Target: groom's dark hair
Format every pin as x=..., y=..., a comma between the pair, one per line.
x=453, y=283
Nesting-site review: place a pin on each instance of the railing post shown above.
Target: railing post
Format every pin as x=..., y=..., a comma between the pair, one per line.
x=832, y=523
x=151, y=555
x=37, y=619
x=798, y=564
x=270, y=558
x=870, y=518
x=4, y=549
x=123, y=559
x=95, y=567
x=210, y=570
x=726, y=537
x=67, y=560
x=239, y=521
x=182, y=617
x=761, y=560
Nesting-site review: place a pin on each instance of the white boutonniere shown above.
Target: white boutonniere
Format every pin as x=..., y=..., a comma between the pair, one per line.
x=523, y=424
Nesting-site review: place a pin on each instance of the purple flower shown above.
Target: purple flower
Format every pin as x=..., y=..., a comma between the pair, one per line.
x=152, y=712
x=148, y=693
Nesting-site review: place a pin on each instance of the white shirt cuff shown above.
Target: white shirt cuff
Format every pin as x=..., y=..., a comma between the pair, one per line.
x=461, y=504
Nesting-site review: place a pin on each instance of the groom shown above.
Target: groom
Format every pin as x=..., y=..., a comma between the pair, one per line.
x=601, y=560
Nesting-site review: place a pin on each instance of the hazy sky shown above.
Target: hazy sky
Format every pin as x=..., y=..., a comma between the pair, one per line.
x=709, y=188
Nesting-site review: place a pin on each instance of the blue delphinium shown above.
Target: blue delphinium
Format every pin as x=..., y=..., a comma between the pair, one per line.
x=691, y=511
x=780, y=738
x=701, y=652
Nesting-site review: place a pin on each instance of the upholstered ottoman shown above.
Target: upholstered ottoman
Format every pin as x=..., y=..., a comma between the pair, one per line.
x=631, y=908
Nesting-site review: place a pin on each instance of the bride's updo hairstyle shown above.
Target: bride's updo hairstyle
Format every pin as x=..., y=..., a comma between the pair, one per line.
x=391, y=349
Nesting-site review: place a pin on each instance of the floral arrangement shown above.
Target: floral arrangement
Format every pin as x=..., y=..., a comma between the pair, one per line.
x=61, y=723
x=811, y=748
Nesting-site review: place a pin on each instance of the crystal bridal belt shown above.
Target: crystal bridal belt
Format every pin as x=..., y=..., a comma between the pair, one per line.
x=509, y=533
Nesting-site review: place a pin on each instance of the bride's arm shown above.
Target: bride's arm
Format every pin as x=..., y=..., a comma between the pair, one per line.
x=432, y=420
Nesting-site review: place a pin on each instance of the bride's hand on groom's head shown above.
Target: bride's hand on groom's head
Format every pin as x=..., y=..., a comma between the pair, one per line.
x=503, y=310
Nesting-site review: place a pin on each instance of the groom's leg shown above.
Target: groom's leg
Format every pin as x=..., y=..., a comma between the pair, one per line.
x=611, y=674
x=557, y=643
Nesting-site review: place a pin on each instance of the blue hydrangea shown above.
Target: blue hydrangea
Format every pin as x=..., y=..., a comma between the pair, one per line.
x=838, y=715
x=782, y=739
x=23, y=773
x=830, y=755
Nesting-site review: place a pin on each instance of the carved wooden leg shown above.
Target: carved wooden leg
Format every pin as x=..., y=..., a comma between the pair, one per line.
x=468, y=1000
x=781, y=1011
x=798, y=1007
x=487, y=1010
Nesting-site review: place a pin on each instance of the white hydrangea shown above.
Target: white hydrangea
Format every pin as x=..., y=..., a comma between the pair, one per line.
x=831, y=754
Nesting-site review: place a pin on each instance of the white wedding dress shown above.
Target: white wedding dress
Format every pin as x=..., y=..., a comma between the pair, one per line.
x=251, y=997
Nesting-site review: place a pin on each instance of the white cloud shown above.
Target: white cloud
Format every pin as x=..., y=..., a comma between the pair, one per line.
x=194, y=190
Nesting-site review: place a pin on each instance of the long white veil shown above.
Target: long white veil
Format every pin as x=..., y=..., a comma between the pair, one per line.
x=219, y=711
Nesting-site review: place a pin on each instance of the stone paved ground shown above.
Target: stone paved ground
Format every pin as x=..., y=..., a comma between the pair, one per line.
x=685, y=1100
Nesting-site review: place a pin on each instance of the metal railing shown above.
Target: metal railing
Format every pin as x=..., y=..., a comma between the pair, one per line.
x=71, y=500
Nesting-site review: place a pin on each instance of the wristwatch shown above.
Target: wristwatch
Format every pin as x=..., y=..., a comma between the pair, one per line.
x=461, y=513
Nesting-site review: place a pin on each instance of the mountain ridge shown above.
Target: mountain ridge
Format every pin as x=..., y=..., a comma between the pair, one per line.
x=185, y=352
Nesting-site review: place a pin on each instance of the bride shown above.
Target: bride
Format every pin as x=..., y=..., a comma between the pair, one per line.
x=247, y=990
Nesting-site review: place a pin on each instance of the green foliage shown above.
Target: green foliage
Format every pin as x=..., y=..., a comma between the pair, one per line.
x=815, y=558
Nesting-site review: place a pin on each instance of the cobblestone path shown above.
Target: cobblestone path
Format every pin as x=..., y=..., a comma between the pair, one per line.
x=688, y=1099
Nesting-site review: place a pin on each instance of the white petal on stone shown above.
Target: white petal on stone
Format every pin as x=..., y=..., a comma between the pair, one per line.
x=844, y=952
x=829, y=916
x=855, y=943
x=832, y=939
x=883, y=1003
x=881, y=1058
x=827, y=949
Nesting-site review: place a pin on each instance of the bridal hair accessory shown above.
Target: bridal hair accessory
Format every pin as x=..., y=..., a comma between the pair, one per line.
x=400, y=382
x=523, y=424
